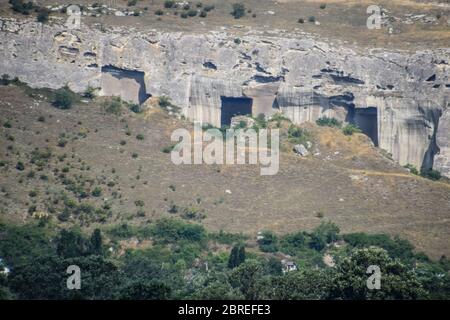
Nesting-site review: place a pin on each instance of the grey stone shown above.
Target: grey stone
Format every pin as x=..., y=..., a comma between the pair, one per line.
x=301, y=150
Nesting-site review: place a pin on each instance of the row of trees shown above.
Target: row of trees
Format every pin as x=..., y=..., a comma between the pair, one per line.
x=180, y=265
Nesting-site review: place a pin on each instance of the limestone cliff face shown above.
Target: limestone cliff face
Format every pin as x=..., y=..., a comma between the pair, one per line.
x=400, y=99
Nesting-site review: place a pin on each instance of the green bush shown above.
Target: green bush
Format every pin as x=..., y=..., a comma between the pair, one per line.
x=312, y=19
x=411, y=168
x=350, y=129
x=172, y=230
x=431, y=174
x=64, y=98
x=20, y=166
x=238, y=10
x=169, y=4
x=134, y=107
x=43, y=15
x=168, y=149
x=192, y=13
x=396, y=247
x=328, y=122
x=269, y=242
x=22, y=6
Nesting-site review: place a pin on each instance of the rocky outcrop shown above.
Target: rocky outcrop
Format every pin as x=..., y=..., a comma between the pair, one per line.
x=407, y=94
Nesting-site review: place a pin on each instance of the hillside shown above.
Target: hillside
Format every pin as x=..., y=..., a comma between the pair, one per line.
x=94, y=158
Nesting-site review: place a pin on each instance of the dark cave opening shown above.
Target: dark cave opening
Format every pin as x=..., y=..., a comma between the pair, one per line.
x=233, y=107
x=367, y=120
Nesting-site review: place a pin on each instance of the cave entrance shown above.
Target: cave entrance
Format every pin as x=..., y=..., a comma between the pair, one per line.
x=367, y=120
x=128, y=84
x=232, y=107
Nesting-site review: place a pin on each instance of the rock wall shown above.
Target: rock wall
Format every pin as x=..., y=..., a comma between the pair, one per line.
x=299, y=76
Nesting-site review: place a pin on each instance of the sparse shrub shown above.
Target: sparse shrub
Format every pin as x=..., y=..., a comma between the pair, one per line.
x=328, y=122
x=41, y=119
x=411, y=168
x=64, y=98
x=350, y=129
x=192, y=13
x=134, y=107
x=132, y=3
x=192, y=213
x=140, y=136
x=32, y=193
x=168, y=149
x=164, y=102
x=7, y=124
x=113, y=105
x=323, y=6
x=203, y=14
x=199, y=5
x=184, y=15
x=20, y=166
x=169, y=4
x=209, y=8
x=139, y=203
x=238, y=10
x=312, y=19
x=173, y=208
x=159, y=12
x=62, y=142
x=123, y=142
x=301, y=20
x=237, y=40
x=90, y=92
x=134, y=155
x=96, y=192
x=186, y=7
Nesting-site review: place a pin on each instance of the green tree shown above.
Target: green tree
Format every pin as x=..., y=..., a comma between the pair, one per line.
x=237, y=256
x=397, y=280
x=306, y=284
x=248, y=278
x=70, y=244
x=144, y=290
x=268, y=242
x=96, y=242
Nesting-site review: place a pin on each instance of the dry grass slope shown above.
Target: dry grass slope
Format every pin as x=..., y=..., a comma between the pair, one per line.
x=349, y=183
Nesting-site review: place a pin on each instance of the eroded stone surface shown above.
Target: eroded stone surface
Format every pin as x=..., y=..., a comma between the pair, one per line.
x=304, y=78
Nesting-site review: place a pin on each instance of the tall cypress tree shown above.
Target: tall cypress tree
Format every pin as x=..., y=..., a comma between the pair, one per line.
x=237, y=256
x=96, y=242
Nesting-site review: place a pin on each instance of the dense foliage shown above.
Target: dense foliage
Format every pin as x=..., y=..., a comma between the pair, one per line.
x=182, y=261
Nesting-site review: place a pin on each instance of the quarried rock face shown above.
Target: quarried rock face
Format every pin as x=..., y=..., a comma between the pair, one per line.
x=399, y=99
